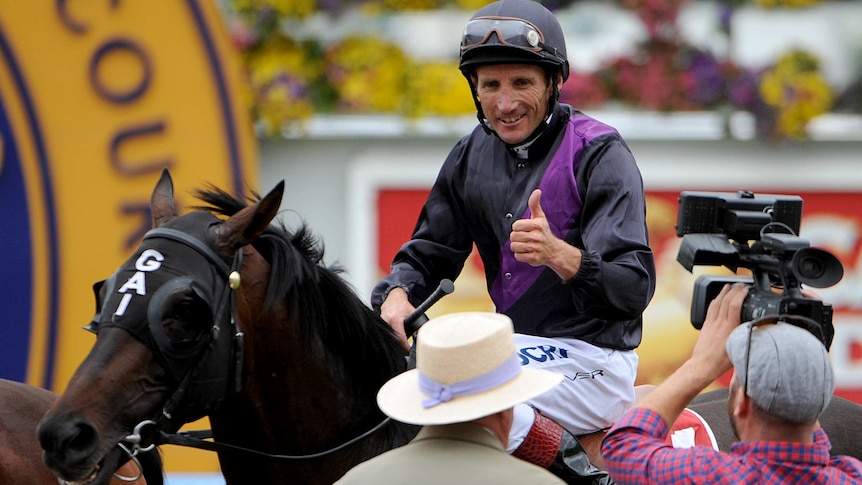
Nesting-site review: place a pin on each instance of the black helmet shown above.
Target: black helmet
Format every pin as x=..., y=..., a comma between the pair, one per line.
x=513, y=31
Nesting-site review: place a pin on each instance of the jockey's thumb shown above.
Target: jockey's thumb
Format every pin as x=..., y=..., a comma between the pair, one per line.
x=535, y=204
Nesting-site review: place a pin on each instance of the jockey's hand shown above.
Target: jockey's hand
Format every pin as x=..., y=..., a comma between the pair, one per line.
x=394, y=310
x=533, y=242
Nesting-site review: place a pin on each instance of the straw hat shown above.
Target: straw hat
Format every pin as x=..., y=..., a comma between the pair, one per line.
x=466, y=368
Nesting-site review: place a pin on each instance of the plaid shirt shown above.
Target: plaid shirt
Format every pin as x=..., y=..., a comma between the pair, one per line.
x=635, y=453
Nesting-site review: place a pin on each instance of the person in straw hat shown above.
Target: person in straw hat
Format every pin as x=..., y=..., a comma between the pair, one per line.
x=782, y=382
x=466, y=381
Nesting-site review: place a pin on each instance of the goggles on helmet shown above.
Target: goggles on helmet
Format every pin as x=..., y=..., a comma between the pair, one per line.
x=510, y=31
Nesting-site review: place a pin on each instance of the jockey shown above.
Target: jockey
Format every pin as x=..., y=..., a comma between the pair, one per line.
x=553, y=201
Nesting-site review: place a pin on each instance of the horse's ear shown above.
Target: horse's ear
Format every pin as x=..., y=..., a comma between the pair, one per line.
x=247, y=224
x=162, y=206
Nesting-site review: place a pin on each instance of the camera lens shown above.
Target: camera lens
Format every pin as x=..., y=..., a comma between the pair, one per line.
x=810, y=267
x=816, y=267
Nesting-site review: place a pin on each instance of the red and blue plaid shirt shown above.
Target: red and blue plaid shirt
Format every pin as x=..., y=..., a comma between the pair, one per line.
x=635, y=453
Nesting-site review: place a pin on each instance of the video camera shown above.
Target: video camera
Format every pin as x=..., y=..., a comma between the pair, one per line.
x=757, y=232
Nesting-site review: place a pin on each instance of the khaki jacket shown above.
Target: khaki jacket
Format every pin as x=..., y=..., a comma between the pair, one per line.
x=463, y=453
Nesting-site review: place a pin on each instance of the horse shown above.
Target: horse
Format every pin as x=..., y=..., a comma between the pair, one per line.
x=223, y=313
x=21, y=408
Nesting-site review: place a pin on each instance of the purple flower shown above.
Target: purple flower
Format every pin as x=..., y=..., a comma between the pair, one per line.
x=708, y=76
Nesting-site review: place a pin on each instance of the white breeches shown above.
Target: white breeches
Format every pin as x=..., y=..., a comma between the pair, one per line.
x=597, y=388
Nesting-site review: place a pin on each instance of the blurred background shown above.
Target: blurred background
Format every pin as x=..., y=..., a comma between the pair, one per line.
x=355, y=104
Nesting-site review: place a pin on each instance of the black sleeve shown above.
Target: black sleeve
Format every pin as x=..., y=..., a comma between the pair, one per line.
x=440, y=243
x=617, y=274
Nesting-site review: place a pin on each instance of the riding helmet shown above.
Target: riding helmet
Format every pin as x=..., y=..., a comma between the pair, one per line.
x=513, y=31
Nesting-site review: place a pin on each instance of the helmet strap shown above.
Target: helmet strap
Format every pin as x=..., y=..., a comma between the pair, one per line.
x=480, y=114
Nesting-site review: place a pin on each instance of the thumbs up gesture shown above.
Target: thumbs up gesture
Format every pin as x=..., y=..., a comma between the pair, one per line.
x=535, y=244
x=532, y=239
x=535, y=204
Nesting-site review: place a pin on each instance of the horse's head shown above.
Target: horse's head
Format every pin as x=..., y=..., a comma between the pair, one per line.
x=166, y=349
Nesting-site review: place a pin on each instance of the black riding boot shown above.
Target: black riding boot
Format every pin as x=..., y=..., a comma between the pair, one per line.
x=551, y=446
x=573, y=465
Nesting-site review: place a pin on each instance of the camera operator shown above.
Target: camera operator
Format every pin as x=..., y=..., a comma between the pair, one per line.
x=782, y=382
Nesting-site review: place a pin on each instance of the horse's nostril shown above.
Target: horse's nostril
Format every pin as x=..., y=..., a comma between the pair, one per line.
x=71, y=438
x=84, y=438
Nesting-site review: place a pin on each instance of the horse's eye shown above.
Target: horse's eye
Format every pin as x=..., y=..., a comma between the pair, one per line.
x=185, y=316
x=185, y=310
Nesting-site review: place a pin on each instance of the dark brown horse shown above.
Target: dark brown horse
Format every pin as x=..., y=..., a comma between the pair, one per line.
x=238, y=319
x=21, y=408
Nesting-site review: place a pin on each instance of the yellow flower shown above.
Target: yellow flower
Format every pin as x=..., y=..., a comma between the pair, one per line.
x=279, y=74
x=401, y=5
x=246, y=5
x=368, y=74
x=279, y=107
x=797, y=92
x=786, y=3
x=472, y=5
x=436, y=89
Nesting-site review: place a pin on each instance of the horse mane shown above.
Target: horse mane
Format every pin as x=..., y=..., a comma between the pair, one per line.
x=333, y=321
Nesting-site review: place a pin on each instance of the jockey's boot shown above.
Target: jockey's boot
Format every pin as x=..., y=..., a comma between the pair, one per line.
x=551, y=446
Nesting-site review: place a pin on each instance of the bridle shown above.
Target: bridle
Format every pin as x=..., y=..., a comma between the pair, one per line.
x=205, y=360
x=225, y=323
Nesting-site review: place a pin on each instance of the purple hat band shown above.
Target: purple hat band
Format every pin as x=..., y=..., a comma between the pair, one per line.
x=496, y=377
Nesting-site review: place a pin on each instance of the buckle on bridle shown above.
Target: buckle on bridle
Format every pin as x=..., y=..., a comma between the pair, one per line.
x=135, y=440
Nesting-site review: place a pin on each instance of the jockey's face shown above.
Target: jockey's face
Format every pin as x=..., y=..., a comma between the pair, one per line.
x=514, y=98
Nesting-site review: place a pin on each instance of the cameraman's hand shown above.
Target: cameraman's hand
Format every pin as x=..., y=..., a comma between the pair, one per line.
x=809, y=293
x=722, y=316
x=708, y=361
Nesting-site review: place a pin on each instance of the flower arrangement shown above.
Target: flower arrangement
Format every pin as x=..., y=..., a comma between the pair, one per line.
x=667, y=76
x=290, y=81
x=773, y=3
x=658, y=16
x=436, y=89
x=585, y=90
x=281, y=74
x=665, y=73
x=367, y=74
x=786, y=3
x=795, y=91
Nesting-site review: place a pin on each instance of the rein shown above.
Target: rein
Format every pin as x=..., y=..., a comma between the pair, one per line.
x=197, y=439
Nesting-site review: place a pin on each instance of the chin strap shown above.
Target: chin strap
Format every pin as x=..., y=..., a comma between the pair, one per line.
x=480, y=114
